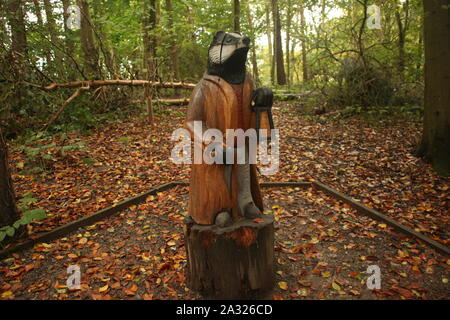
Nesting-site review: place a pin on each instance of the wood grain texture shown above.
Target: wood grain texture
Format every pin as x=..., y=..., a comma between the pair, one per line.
x=236, y=262
x=214, y=103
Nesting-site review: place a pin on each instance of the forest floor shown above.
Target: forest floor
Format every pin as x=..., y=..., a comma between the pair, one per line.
x=323, y=246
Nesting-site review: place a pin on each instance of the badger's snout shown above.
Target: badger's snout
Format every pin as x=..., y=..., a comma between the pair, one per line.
x=246, y=41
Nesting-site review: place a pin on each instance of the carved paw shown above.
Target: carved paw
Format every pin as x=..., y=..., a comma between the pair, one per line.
x=251, y=211
x=223, y=219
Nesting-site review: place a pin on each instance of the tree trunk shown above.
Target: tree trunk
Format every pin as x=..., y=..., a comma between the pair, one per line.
x=435, y=145
x=254, y=60
x=91, y=57
x=288, y=41
x=402, y=27
x=323, y=13
x=190, y=21
x=360, y=42
x=149, y=40
x=67, y=32
x=281, y=75
x=70, y=46
x=8, y=209
x=3, y=22
x=235, y=262
x=237, y=15
x=149, y=22
x=420, y=56
x=303, y=35
x=38, y=13
x=269, y=43
x=18, y=50
x=173, y=45
x=293, y=62
x=51, y=27
x=103, y=44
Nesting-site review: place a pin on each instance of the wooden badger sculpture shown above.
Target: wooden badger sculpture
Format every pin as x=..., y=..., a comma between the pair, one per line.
x=223, y=193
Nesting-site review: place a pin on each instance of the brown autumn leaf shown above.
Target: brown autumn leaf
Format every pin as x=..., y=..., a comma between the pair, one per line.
x=115, y=285
x=305, y=283
x=354, y=292
x=283, y=285
x=103, y=289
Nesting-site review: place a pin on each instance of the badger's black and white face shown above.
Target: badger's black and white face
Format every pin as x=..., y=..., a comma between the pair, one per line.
x=227, y=56
x=226, y=45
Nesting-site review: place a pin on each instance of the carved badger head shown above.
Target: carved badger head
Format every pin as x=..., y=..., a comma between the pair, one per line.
x=227, y=56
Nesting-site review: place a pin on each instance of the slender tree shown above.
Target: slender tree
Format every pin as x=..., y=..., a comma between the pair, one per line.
x=68, y=40
x=149, y=21
x=435, y=145
x=52, y=28
x=3, y=22
x=237, y=15
x=18, y=50
x=303, y=40
x=270, y=45
x=173, y=44
x=281, y=74
x=40, y=21
x=67, y=32
x=253, y=45
x=402, y=26
x=288, y=40
x=38, y=13
x=90, y=52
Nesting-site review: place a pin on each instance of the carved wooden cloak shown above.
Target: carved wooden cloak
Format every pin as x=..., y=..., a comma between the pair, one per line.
x=214, y=102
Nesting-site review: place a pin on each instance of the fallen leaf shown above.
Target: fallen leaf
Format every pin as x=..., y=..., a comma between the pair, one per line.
x=305, y=283
x=283, y=285
x=336, y=286
x=7, y=295
x=103, y=289
x=354, y=292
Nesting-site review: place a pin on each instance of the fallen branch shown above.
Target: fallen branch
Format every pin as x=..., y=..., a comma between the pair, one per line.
x=61, y=109
x=99, y=83
x=173, y=102
x=87, y=85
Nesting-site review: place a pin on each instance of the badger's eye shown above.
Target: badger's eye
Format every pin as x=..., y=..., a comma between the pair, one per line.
x=229, y=40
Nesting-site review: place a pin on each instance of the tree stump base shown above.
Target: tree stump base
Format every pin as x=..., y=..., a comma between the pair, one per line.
x=235, y=262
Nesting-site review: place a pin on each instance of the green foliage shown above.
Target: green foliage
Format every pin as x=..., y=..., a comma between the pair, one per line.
x=124, y=139
x=28, y=216
x=42, y=150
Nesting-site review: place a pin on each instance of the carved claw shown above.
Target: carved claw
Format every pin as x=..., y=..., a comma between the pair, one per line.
x=251, y=211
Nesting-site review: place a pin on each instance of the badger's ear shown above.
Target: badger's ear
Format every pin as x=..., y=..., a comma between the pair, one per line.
x=218, y=34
